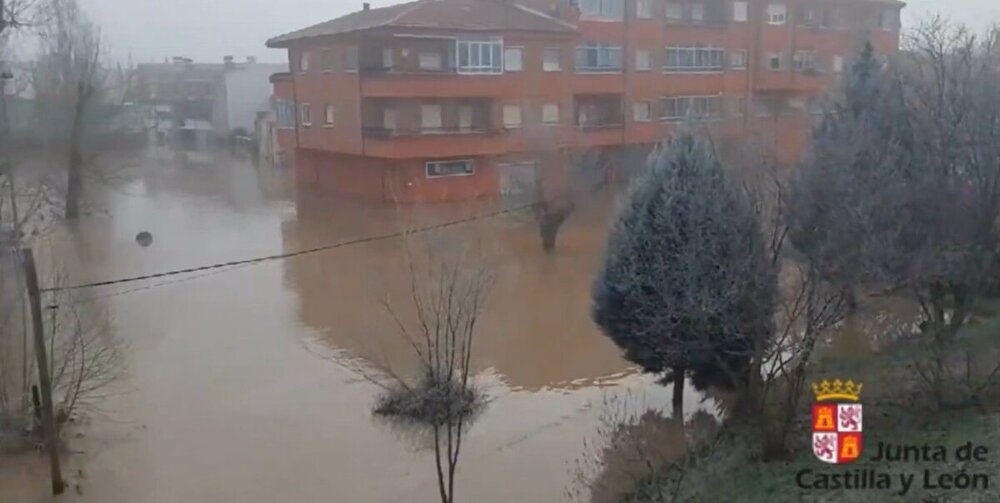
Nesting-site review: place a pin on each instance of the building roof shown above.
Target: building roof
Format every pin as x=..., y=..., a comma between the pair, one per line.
x=467, y=15
x=281, y=77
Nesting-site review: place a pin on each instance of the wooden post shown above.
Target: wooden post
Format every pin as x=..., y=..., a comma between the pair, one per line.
x=44, y=379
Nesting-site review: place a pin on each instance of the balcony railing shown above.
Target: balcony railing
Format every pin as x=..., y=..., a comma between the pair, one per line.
x=809, y=70
x=382, y=132
x=395, y=70
x=597, y=126
x=699, y=23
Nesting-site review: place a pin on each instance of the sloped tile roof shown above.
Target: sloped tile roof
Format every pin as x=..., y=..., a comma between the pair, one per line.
x=471, y=15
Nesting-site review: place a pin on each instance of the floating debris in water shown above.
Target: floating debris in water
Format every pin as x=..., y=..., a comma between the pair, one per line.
x=144, y=239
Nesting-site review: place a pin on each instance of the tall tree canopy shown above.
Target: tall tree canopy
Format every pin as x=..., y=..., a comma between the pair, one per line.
x=686, y=285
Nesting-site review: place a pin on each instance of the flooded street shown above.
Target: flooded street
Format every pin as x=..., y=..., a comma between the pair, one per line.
x=249, y=383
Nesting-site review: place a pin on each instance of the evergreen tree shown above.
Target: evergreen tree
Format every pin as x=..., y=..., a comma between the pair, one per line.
x=686, y=287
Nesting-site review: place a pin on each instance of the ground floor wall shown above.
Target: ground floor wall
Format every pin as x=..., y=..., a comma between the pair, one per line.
x=524, y=173
x=414, y=181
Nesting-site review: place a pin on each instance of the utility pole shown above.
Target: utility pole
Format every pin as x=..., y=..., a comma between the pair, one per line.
x=44, y=378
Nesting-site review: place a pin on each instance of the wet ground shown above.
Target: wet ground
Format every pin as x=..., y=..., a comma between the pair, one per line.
x=248, y=384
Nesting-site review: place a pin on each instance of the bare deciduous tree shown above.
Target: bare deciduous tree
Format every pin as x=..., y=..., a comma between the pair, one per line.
x=808, y=303
x=86, y=357
x=83, y=98
x=902, y=193
x=70, y=72
x=447, y=293
x=15, y=14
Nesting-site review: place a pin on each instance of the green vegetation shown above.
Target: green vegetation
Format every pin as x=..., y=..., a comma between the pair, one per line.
x=896, y=199
x=895, y=413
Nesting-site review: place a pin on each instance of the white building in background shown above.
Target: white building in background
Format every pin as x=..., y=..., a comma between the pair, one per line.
x=246, y=91
x=218, y=97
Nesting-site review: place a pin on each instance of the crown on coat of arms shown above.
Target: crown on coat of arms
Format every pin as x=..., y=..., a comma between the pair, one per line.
x=838, y=389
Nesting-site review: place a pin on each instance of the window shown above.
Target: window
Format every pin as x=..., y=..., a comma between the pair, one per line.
x=642, y=62
x=430, y=116
x=828, y=20
x=306, y=115
x=738, y=60
x=694, y=59
x=805, y=61
x=675, y=11
x=642, y=111
x=776, y=13
x=329, y=116
x=815, y=106
x=739, y=106
x=351, y=59
x=326, y=61
x=388, y=58
x=550, y=113
x=694, y=107
x=603, y=9
x=597, y=57
x=838, y=64
x=511, y=116
x=389, y=119
x=644, y=9
x=476, y=56
x=512, y=59
x=465, y=117
x=303, y=62
x=551, y=59
x=740, y=12
x=430, y=61
x=284, y=113
x=774, y=61
x=439, y=169
x=888, y=19
x=808, y=16
x=697, y=12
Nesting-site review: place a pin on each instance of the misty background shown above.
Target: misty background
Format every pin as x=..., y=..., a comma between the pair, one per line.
x=207, y=30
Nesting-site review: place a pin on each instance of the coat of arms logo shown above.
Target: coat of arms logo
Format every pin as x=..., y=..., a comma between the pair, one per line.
x=836, y=421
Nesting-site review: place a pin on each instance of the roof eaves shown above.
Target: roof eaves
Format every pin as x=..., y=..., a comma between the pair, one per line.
x=539, y=13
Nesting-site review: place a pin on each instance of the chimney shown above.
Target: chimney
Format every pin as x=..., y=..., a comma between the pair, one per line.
x=366, y=6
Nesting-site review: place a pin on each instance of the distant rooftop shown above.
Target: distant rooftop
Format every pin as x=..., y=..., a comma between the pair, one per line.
x=465, y=15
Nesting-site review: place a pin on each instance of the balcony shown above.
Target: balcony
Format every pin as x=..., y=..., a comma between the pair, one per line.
x=701, y=14
x=415, y=67
x=422, y=127
x=598, y=112
x=380, y=71
x=385, y=133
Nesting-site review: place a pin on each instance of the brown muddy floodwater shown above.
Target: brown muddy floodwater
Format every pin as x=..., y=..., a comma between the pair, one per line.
x=243, y=384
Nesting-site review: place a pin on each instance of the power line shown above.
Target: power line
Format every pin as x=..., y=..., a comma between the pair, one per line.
x=95, y=298
x=282, y=256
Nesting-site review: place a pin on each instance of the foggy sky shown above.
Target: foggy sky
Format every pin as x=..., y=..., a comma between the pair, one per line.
x=207, y=30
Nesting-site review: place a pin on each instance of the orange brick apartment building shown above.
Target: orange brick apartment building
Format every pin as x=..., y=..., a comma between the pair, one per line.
x=439, y=100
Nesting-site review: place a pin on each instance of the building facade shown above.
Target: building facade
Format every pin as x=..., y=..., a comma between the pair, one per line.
x=195, y=101
x=440, y=100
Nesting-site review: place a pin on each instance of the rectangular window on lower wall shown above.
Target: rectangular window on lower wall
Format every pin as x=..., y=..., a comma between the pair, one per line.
x=694, y=58
x=439, y=169
x=480, y=56
x=306, y=115
x=284, y=111
x=678, y=108
x=598, y=57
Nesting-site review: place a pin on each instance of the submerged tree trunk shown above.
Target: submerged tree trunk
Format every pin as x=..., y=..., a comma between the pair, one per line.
x=550, y=220
x=678, y=401
x=74, y=182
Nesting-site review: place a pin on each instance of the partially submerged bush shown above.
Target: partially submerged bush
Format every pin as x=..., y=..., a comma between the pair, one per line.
x=431, y=402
